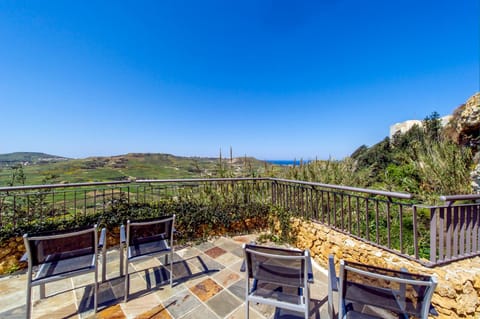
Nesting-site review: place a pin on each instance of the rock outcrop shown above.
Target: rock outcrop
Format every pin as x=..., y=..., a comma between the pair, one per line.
x=464, y=127
x=404, y=127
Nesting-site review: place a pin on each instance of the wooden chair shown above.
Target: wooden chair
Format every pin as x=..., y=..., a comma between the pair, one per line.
x=59, y=255
x=280, y=277
x=147, y=239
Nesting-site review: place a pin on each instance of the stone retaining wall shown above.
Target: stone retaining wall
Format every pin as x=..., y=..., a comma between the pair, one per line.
x=456, y=296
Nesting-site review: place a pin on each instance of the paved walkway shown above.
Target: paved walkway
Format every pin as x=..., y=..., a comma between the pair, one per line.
x=207, y=284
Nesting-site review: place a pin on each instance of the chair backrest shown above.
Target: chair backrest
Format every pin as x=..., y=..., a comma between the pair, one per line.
x=387, y=288
x=59, y=245
x=145, y=231
x=277, y=265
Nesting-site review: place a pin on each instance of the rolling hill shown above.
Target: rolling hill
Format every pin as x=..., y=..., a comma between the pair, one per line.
x=27, y=158
x=40, y=168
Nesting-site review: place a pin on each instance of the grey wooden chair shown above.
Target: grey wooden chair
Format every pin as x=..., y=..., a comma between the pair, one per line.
x=400, y=293
x=58, y=255
x=146, y=239
x=278, y=277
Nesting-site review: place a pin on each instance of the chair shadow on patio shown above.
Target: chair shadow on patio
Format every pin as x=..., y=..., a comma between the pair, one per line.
x=158, y=278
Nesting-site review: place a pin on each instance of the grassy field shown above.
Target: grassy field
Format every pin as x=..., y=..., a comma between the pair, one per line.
x=134, y=166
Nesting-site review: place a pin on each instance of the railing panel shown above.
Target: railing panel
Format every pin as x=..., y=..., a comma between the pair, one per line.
x=381, y=218
x=362, y=215
x=434, y=216
x=454, y=232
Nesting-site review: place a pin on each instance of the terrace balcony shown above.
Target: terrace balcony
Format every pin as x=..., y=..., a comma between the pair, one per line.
x=208, y=283
x=385, y=228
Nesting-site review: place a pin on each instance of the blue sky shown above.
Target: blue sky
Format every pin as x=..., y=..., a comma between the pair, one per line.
x=272, y=79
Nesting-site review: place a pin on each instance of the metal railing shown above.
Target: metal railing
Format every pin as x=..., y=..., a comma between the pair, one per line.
x=377, y=217
x=454, y=228
x=429, y=234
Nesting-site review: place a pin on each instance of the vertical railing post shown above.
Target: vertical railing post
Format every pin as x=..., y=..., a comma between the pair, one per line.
x=349, y=214
x=468, y=230
x=377, y=233
x=415, y=232
x=389, y=234
x=462, y=230
x=14, y=213
x=367, y=221
x=456, y=226
x=447, y=233
x=401, y=228
x=475, y=229
x=433, y=235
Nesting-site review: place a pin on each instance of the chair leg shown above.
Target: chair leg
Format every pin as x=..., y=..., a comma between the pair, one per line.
x=307, y=301
x=104, y=265
x=121, y=260
x=331, y=310
x=127, y=282
x=95, y=291
x=42, y=291
x=29, y=301
x=171, y=269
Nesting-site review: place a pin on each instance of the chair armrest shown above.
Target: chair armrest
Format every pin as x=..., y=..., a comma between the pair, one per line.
x=103, y=237
x=24, y=258
x=433, y=311
x=123, y=239
x=244, y=263
x=309, y=269
x=332, y=275
x=243, y=266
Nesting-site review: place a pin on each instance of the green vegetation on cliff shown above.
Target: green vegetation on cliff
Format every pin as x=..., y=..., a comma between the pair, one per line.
x=423, y=161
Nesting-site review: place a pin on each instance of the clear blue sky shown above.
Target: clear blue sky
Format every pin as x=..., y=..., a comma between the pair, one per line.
x=273, y=79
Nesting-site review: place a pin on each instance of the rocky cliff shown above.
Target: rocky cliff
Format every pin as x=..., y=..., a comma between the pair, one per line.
x=464, y=126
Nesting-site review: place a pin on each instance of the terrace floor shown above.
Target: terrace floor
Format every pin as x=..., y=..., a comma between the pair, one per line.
x=207, y=283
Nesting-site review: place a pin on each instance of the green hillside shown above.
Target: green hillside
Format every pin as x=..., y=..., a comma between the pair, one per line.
x=27, y=158
x=124, y=167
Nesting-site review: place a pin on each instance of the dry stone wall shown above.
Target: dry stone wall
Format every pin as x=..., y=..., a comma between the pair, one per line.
x=456, y=296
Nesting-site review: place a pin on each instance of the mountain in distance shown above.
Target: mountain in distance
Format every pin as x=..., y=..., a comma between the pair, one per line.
x=28, y=158
x=49, y=169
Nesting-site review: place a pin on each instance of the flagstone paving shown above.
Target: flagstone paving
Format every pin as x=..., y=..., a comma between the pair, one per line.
x=207, y=283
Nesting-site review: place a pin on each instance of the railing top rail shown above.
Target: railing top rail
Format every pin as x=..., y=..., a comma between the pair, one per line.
x=350, y=189
x=450, y=199
x=193, y=180
x=46, y=186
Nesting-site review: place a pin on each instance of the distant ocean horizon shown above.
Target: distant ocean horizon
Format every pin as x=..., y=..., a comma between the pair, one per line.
x=286, y=162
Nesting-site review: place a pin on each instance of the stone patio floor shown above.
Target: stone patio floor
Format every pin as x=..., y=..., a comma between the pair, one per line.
x=207, y=283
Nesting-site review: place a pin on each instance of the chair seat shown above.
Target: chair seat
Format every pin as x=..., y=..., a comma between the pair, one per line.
x=148, y=248
x=68, y=266
x=277, y=292
x=358, y=315
x=378, y=297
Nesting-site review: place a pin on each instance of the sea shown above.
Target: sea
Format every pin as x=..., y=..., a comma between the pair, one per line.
x=286, y=162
